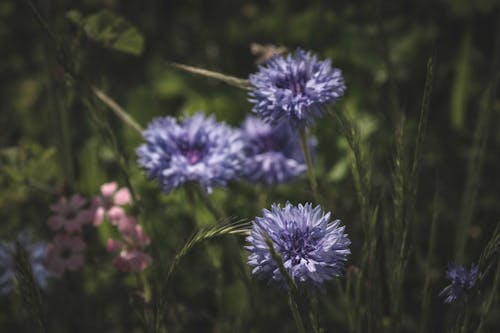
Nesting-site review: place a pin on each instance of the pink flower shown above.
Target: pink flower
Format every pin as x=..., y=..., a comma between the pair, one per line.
x=69, y=214
x=114, y=245
x=110, y=202
x=132, y=261
x=137, y=237
x=133, y=240
x=65, y=253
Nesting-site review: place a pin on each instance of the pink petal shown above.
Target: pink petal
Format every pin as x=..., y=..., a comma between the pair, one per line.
x=108, y=189
x=133, y=260
x=73, y=225
x=87, y=215
x=121, y=264
x=127, y=224
x=77, y=201
x=55, y=222
x=75, y=262
x=122, y=197
x=140, y=238
x=60, y=205
x=113, y=245
x=98, y=216
x=115, y=214
x=76, y=243
x=140, y=261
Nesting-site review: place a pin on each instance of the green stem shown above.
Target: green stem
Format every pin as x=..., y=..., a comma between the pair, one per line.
x=310, y=169
x=205, y=199
x=296, y=314
x=486, y=306
x=117, y=109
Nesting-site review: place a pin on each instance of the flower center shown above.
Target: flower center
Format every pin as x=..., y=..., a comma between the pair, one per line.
x=66, y=253
x=193, y=152
x=293, y=82
x=70, y=214
x=297, y=244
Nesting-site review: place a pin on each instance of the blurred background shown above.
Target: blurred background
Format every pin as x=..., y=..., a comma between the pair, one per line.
x=57, y=139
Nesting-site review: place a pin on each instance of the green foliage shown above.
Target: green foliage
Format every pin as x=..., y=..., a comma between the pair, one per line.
x=412, y=175
x=110, y=30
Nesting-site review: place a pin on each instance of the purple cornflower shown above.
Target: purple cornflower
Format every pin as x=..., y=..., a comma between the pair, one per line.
x=36, y=255
x=295, y=88
x=196, y=149
x=273, y=154
x=312, y=249
x=461, y=279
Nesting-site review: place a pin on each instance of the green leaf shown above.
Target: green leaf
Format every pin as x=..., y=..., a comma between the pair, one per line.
x=110, y=30
x=460, y=93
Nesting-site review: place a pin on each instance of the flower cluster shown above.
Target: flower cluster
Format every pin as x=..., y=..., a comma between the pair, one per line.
x=129, y=247
x=196, y=149
x=461, y=280
x=294, y=89
x=131, y=240
x=313, y=250
x=65, y=253
x=272, y=154
x=36, y=252
x=69, y=214
x=110, y=203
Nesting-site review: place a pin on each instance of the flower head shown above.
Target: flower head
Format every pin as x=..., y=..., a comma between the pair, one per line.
x=313, y=250
x=273, y=154
x=36, y=253
x=129, y=247
x=109, y=203
x=196, y=149
x=69, y=214
x=65, y=254
x=295, y=88
x=461, y=280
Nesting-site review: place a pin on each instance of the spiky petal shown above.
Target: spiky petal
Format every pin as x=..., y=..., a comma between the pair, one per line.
x=313, y=249
x=272, y=154
x=295, y=89
x=461, y=280
x=196, y=149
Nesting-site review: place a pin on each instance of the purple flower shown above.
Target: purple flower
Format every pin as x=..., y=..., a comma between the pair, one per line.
x=461, y=279
x=36, y=255
x=196, y=149
x=294, y=89
x=312, y=249
x=273, y=154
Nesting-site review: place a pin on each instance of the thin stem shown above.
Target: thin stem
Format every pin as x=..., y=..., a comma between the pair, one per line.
x=310, y=169
x=205, y=199
x=486, y=306
x=296, y=314
x=424, y=307
x=231, y=80
x=117, y=109
x=314, y=314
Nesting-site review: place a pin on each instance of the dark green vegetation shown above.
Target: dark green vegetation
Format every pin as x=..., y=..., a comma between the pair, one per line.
x=408, y=159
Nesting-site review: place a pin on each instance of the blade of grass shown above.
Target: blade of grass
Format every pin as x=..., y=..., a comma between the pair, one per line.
x=28, y=288
x=117, y=109
x=293, y=292
x=310, y=167
x=230, y=80
x=477, y=156
x=431, y=248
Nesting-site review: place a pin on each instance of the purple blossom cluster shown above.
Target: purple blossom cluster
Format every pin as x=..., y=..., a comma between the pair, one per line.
x=273, y=154
x=313, y=249
x=195, y=149
x=295, y=89
x=461, y=279
x=36, y=252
